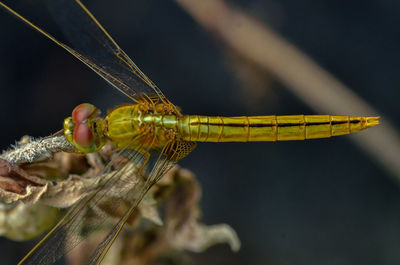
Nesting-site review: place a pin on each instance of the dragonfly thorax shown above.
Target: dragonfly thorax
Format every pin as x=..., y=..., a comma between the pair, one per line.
x=134, y=125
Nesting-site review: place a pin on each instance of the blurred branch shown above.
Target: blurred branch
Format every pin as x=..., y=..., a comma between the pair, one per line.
x=259, y=44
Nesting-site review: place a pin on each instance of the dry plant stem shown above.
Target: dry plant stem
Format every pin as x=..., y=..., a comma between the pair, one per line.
x=34, y=150
x=31, y=191
x=259, y=44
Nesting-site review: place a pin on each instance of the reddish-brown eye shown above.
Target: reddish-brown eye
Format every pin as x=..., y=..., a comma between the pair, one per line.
x=83, y=136
x=82, y=112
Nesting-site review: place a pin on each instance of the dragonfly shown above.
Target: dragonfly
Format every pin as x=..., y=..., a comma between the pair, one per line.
x=151, y=132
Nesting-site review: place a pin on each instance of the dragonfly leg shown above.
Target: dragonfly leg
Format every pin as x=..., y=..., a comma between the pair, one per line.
x=147, y=156
x=55, y=134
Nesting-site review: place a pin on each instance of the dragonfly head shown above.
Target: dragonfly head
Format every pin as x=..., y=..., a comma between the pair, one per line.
x=84, y=128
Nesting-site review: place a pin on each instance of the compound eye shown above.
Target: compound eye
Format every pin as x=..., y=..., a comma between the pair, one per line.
x=82, y=112
x=83, y=136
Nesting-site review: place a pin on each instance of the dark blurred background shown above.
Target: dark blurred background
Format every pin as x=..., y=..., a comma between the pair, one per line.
x=310, y=202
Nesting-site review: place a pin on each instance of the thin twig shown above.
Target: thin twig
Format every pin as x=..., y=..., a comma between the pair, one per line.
x=259, y=44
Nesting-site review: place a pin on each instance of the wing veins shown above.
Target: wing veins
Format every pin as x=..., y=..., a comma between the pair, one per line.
x=66, y=224
x=118, y=53
x=157, y=172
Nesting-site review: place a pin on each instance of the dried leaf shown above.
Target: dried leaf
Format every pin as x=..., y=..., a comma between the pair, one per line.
x=16, y=184
x=26, y=221
x=197, y=237
x=150, y=212
x=38, y=186
x=182, y=226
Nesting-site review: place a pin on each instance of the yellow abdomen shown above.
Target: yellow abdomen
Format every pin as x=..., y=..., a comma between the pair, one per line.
x=269, y=128
x=126, y=122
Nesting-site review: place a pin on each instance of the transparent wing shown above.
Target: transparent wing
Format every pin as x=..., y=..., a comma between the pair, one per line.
x=90, y=43
x=53, y=246
x=152, y=165
x=168, y=157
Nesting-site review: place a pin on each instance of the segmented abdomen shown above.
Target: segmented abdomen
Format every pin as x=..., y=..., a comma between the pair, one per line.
x=269, y=128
